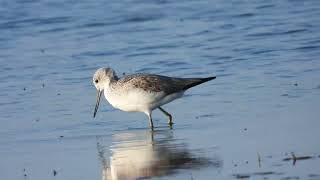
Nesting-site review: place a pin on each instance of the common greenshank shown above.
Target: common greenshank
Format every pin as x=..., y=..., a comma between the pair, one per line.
x=141, y=92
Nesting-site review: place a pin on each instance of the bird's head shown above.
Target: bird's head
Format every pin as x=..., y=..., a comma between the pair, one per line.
x=102, y=79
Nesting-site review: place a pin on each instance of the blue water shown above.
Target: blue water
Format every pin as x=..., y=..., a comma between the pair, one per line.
x=263, y=105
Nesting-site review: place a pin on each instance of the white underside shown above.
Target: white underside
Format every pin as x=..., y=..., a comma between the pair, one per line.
x=138, y=100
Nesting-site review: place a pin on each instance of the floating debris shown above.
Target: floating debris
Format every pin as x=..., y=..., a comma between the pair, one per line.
x=24, y=173
x=259, y=160
x=24, y=89
x=241, y=176
x=42, y=85
x=55, y=172
x=296, y=158
x=264, y=173
x=205, y=116
x=295, y=84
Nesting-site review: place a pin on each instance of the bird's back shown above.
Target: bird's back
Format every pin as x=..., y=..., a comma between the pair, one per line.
x=144, y=92
x=158, y=83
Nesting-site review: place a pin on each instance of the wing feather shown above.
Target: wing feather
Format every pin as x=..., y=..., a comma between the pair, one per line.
x=157, y=83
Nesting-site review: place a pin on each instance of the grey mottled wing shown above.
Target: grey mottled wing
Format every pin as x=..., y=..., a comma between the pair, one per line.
x=157, y=83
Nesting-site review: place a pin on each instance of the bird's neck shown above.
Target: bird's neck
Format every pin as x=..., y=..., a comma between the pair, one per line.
x=111, y=83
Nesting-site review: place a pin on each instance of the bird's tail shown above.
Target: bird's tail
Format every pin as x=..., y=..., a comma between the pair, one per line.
x=197, y=81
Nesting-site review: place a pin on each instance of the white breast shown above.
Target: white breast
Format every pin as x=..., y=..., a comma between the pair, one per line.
x=138, y=99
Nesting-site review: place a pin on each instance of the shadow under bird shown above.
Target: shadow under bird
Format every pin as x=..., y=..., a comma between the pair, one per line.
x=141, y=92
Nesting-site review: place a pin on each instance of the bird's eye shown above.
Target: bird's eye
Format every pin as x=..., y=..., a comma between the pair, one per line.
x=96, y=81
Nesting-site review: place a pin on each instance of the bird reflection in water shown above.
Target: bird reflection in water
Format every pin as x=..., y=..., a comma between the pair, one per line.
x=145, y=154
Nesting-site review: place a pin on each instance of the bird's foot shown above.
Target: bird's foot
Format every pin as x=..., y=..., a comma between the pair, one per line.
x=170, y=123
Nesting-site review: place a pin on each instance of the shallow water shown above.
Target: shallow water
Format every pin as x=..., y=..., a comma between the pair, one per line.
x=263, y=106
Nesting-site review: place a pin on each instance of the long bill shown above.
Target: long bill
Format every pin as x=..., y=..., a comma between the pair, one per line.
x=97, y=102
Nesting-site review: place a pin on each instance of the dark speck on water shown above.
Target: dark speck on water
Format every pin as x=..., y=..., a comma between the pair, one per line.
x=264, y=103
x=242, y=176
x=55, y=172
x=24, y=173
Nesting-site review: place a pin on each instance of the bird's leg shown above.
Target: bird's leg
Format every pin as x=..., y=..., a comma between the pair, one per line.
x=167, y=114
x=150, y=119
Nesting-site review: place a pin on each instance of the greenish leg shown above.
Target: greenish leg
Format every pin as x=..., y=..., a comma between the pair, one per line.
x=150, y=120
x=168, y=115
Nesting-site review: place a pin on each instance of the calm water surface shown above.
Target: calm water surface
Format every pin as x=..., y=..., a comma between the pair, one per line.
x=263, y=106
